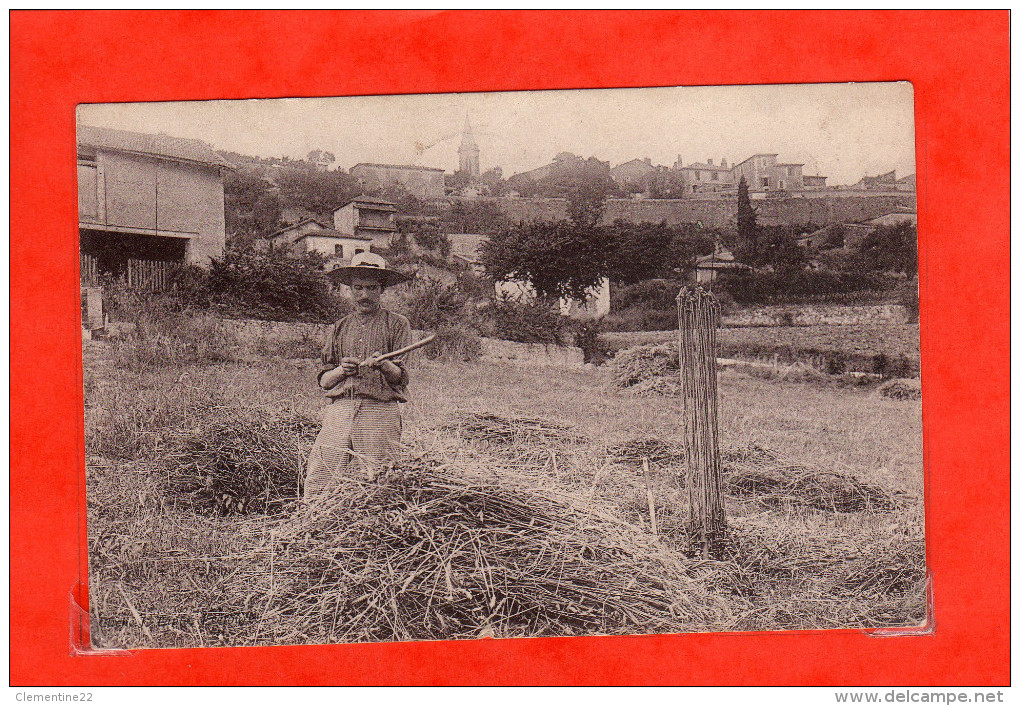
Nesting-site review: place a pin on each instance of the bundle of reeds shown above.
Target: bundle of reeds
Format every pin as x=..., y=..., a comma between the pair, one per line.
x=657, y=451
x=512, y=431
x=239, y=462
x=432, y=554
x=868, y=577
x=762, y=475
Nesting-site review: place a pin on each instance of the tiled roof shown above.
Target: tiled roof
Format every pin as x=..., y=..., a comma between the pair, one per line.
x=292, y=226
x=330, y=233
x=177, y=148
x=758, y=154
x=382, y=204
x=713, y=167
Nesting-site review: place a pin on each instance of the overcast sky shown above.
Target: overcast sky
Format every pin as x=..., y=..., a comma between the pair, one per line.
x=842, y=131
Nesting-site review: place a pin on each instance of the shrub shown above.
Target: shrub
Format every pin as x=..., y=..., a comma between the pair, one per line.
x=431, y=304
x=641, y=318
x=765, y=287
x=454, y=342
x=653, y=293
x=273, y=286
x=527, y=322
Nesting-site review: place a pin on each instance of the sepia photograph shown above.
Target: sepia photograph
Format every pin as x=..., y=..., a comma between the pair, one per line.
x=501, y=365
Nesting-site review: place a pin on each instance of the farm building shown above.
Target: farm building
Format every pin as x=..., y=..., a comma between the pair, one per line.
x=366, y=218
x=707, y=268
x=146, y=202
x=310, y=235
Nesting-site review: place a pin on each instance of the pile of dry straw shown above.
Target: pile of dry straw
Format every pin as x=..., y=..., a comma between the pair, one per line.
x=431, y=553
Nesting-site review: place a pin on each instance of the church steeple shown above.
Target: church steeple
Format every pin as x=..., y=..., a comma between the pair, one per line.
x=468, y=151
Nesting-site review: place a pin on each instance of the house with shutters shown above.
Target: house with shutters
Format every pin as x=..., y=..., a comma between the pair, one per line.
x=145, y=203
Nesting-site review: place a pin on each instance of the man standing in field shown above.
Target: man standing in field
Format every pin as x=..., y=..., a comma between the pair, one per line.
x=361, y=429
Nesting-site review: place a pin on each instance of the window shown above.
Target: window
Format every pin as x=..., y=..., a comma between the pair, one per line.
x=697, y=176
x=358, y=251
x=338, y=249
x=764, y=182
x=715, y=176
x=782, y=184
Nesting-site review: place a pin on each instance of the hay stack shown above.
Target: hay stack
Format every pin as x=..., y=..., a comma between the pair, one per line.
x=906, y=389
x=640, y=363
x=430, y=554
x=238, y=462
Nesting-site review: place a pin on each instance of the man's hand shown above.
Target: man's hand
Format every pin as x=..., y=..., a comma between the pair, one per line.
x=390, y=370
x=349, y=366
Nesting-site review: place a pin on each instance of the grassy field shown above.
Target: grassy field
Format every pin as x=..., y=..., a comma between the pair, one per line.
x=164, y=572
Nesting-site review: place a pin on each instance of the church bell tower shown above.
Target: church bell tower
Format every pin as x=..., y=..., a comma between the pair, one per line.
x=468, y=152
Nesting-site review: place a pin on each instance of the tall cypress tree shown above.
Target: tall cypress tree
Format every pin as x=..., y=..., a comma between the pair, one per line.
x=747, y=228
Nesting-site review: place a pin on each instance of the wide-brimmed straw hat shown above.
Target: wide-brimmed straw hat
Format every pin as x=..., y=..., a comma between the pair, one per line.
x=368, y=264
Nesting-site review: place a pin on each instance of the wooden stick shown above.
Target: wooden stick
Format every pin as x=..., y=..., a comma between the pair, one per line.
x=651, y=498
x=406, y=349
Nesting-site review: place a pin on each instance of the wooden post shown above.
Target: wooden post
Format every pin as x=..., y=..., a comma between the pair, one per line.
x=698, y=313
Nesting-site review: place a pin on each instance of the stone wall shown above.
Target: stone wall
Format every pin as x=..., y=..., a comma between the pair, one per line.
x=717, y=212
x=815, y=314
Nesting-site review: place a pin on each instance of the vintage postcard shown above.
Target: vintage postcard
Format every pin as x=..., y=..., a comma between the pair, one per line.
x=518, y=364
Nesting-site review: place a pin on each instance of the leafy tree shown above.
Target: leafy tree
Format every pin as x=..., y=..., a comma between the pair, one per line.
x=493, y=181
x=642, y=251
x=890, y=249
x=321, y=157
x=778, y=250
x=557, y=259
x=663, y=183
x=251, y=209
x=587, y=193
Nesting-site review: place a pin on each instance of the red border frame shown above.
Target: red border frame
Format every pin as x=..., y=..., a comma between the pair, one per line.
x=959, y=65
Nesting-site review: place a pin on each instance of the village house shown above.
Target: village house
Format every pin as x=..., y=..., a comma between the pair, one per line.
x=632, y=172
x=709, y=177
x=422, y=182
x=145, y=203
x=367, y=218
x=310, y=236
x=764, y=173
x=708, y=268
